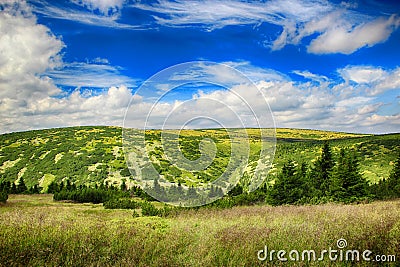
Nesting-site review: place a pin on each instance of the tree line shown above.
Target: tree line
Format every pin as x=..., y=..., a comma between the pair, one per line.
x=330, y=179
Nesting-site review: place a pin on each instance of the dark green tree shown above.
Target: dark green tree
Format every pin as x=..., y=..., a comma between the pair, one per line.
x=321, y=172
x=289, y=186
x=123, y=185
x=53, y=187
x=13, y=188
x=236, y=190
x=21, y=188
x=394, y=178
x=3, y=196
x=347, y=182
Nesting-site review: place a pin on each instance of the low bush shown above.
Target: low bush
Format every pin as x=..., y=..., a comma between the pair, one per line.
x=3, y=196
x=122, y=203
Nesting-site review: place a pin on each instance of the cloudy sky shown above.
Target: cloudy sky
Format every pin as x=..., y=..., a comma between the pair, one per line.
x=331, y=65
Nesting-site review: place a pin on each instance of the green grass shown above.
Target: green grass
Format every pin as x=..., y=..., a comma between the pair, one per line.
x=35, y=231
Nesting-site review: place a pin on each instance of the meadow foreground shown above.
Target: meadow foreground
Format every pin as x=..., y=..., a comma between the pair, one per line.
x=36, y=231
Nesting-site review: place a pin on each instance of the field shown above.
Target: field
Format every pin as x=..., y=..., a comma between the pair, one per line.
x=36, y=231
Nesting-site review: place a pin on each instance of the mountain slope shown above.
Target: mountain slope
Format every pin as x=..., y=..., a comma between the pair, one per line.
x=93, y=155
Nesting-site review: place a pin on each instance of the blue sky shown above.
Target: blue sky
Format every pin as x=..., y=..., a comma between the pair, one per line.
x=331, y=65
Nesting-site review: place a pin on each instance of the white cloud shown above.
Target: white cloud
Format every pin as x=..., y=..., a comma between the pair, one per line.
x=220, y=13
x=390, y=82
x=106, y=7
x=26, y=50
x=80, y=74
x=369, y=109
x=105, y=109
x=314, y=77
x=294, y=104
x=377, y=121
x=362, y=74
x=374, y=80
x=346, y=39
x=108, y=19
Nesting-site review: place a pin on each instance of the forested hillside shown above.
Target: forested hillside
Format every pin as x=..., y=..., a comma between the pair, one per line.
x=94, y=155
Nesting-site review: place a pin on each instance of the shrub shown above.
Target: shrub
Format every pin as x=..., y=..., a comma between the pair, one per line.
x=123, y=203
x=86, y=195
x=3, y=196
x=135, y=214
x=148, y=209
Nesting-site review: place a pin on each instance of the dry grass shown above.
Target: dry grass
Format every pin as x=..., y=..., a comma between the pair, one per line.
x=35, y=231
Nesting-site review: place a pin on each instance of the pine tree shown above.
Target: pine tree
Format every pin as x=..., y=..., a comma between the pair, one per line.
x=321, y=172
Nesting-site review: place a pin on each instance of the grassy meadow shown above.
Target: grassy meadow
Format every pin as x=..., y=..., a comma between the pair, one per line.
x=36, y=231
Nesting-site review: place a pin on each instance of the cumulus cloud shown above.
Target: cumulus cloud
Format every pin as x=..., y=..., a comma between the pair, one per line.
x=346, y=39
x=362, y=74
x=390, y=82
x=293, y=104
x=27, y=49
x=30, y=99
x=374, y=80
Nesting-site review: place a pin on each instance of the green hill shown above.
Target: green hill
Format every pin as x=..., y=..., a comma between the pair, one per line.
x=92, y=155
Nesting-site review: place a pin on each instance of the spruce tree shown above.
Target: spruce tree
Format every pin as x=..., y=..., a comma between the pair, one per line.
x=321, y=172
x=13, y=188
x=21, y=188
x=347, y=181
x=53, y=187
x=123, y=186
x=289, y=186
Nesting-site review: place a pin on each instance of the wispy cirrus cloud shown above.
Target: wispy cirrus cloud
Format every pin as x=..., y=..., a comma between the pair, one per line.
x=211, y=14
x=311, y=76
x=105, y=7
x=94, y=13
x=335, y=28
x=90, y=75
x=338, y=27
